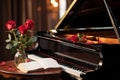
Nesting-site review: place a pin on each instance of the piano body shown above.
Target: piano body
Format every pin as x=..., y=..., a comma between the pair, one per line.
x=95, y=61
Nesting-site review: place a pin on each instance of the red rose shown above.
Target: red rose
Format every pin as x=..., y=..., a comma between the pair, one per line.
x=29, y=24
x=73, y=38
x=22, y=29
x=84, y=38
x=11, y=24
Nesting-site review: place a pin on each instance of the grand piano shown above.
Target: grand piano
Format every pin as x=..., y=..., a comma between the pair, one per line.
x=97, y=57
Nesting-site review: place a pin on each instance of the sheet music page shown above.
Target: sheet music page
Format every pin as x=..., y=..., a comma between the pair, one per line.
x=37, y=64
x=29, y=66
x=45, y=62
x=48, y=63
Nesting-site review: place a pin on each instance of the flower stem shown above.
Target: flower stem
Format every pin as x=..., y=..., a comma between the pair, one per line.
x=14, y=35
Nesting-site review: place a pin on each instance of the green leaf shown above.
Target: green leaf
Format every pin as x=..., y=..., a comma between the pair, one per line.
x=9, y=38
x=15, y=43
x=8, y=46
x=34, y=39
x=29, y=44
x=13, y=50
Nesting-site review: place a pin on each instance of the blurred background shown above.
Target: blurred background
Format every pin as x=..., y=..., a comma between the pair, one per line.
x=45, y=13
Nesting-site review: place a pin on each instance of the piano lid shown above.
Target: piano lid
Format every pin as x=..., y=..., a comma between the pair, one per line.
x=90, y=15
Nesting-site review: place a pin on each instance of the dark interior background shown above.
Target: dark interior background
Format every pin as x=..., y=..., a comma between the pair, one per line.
x=42, y=12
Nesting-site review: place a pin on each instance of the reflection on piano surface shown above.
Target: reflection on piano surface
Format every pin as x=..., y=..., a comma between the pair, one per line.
x=80, y=60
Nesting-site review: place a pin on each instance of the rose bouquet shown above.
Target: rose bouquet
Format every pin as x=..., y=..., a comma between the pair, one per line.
x=77, y=38
x=20, y=37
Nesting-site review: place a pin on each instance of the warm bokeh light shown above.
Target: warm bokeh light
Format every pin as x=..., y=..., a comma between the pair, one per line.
x=54, y=3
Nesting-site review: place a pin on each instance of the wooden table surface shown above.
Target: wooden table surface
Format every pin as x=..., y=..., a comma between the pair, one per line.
x=10, y=70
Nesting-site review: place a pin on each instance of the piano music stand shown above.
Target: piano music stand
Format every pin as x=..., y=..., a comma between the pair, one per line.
x=48, y=74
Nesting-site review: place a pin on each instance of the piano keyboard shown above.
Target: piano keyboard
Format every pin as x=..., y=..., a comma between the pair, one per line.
x=73, y=72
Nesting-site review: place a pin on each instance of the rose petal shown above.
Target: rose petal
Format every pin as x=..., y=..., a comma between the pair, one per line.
x=10, y=68
x=3, y=63
x=28, y=60
x=13, y=69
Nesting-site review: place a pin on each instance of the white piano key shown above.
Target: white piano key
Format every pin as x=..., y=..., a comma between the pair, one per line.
x=72, y=71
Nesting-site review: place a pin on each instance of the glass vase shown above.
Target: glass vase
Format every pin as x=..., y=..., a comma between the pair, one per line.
x=20, y=57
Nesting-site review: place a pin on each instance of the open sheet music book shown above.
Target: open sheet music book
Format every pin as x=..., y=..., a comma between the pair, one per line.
x=38, y=64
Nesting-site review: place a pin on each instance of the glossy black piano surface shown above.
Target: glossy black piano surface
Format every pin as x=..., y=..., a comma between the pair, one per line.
x=96, y=61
